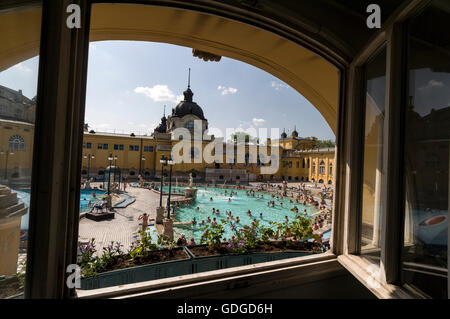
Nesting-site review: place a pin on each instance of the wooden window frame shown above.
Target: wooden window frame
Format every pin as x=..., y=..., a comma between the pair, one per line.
x=55, y=194
x=389, y=282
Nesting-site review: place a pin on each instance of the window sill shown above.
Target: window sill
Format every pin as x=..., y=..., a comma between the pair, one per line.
x=149, y=287
x=360, y=269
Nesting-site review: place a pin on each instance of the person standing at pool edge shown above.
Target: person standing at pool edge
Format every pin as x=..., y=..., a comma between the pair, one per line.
x=144, y=218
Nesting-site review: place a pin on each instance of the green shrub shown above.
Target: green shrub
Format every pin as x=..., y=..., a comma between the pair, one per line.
x=212, y=234
x=143, y=246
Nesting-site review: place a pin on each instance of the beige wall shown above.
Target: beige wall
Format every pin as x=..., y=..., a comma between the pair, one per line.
x=20, y=161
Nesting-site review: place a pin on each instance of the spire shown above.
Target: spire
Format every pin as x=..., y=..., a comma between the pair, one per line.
x=188, y=93
x=294, y=133
x=164, y=114
x=189, y=78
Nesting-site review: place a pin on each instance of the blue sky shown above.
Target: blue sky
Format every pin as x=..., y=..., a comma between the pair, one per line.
x=130, y=82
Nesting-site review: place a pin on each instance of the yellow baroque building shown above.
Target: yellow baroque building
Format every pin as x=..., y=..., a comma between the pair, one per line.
x=299, y=158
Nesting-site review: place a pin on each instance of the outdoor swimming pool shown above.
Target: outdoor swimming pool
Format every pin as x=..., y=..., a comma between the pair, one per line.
x=239, y=205
x=85, y=197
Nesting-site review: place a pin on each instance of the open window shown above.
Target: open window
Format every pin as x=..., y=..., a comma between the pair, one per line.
x=383, y=93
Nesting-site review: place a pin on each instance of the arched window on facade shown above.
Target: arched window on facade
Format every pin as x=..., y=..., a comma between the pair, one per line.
x=16, y=143
x=322, y=167
x=314, y=168
x=331, y=168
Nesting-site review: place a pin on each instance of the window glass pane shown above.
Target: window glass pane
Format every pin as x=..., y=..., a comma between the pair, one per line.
x=19, y=38
x=427, y=152
x=373, y=155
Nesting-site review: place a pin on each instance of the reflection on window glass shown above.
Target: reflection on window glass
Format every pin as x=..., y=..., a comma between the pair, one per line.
x=373, y=156
x=427, y=152
x=19, y=35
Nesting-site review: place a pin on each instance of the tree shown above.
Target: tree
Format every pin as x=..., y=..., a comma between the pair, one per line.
x=239, y=136
x=325, y=143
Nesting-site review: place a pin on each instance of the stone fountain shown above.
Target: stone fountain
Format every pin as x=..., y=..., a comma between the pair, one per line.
x=190, y=192
x=11, y=212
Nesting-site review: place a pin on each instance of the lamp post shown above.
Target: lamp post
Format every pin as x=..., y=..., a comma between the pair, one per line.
x=89, y=156
x=170, y=162
x=163, y=162
x=115, y=171
x=7, y=153
x=142, y=159
x=115, y=165
x=110, y=158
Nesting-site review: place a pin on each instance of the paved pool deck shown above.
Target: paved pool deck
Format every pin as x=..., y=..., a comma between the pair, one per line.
x=125, y=226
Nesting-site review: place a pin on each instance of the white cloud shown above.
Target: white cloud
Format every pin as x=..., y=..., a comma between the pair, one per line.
x=224, y=90
x=103, y=126
x=159, y=93
x=277, y=85
x=22, y=67
x=432, y=84
x=258, y=122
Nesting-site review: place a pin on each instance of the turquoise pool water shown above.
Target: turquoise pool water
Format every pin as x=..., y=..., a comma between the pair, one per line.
x=85, y=197
x=239, y=205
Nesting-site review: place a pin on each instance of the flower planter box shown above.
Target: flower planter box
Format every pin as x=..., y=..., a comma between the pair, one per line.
x=190, y=265
x=215, y=262
x=135, y=274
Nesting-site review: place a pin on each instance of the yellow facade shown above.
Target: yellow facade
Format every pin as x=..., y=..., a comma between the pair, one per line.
x=291, y=168
x=141, y=155
x=16, y=149
x=299, y=160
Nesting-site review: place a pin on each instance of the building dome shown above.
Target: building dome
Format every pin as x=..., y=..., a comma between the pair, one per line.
x=187, y=106
x=283, y=135
x=162, y=127
x=294, y=133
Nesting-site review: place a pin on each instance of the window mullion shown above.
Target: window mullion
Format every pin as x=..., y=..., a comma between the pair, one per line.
x=392, y=209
